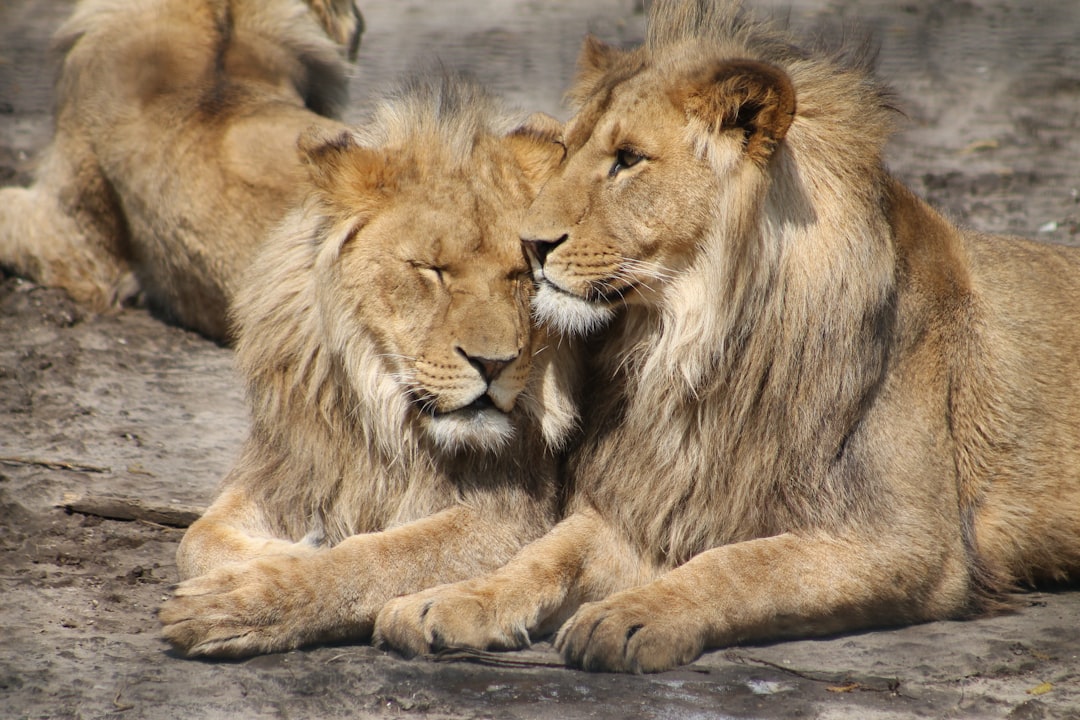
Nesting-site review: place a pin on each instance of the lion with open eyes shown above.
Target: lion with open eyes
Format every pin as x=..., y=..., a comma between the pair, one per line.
x=404, y=410
x=815, y=405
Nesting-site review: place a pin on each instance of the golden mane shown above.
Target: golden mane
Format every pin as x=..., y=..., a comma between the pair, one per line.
x=321, y=395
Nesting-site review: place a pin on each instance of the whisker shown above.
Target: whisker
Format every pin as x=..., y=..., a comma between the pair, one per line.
x=405, y=379
x=631, y=280
x=427, y=403
x=649, y=268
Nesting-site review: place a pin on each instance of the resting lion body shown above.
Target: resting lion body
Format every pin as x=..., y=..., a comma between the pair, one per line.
x=404, y=410
x=174, y=147
x=814, y=405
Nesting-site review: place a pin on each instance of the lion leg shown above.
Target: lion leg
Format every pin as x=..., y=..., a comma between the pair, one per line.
x=233, y=530
x=769, y=588
x=66, y=231
x=581, y=558
x=279, y=602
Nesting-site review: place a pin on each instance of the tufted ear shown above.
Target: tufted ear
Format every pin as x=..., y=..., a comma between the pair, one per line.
x=745, y=95
x=595, y=59
x=342, y=21
x=537, y=147
x=344, y=173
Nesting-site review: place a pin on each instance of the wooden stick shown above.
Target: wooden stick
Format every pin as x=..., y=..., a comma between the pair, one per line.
x=120, y=507
x=838, y=682
x=54, y=464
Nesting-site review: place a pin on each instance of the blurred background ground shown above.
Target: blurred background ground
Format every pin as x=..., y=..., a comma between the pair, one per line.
x=990, y=91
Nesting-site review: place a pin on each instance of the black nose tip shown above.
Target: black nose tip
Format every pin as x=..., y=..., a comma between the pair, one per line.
x=489, y=368
x=540, y=249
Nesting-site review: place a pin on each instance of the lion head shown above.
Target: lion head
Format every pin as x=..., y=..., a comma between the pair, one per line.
x=683, y=155
x=398, y=298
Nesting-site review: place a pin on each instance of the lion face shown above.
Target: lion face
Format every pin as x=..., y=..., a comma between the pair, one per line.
x=651, y=157
x=449, y=313
x=428, y=272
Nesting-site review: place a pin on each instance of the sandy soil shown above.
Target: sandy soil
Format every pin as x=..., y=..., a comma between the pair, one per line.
x=128, y=406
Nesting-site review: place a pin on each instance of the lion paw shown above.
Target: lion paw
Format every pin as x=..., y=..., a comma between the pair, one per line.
x=451, y=616
x=265, y=605
x=630, y=632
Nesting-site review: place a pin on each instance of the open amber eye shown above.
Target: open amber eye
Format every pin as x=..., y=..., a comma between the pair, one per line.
x=625, y=158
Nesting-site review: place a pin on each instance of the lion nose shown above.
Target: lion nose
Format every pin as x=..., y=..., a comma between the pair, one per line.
x=540, y=248
x=489, y=368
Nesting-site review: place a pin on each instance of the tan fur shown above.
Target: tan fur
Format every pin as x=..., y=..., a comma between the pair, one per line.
x=174, y=147
x=404, y=411
x=816, y=405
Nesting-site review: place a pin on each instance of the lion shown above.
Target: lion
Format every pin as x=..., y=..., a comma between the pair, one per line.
x=405, y=414
x=174, y=148
x=814, y=405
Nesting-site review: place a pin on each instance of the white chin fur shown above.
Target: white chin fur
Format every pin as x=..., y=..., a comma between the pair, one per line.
x=568, y=314
x=485, y=430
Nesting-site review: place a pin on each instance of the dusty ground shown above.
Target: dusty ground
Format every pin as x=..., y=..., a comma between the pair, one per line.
x=129, y=406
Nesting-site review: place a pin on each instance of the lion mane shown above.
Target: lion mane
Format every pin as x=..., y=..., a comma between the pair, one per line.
x=813, y=403
x=405, y=412
x=174, y=147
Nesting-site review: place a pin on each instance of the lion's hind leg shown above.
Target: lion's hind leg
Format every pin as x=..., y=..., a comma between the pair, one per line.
x=66, y=231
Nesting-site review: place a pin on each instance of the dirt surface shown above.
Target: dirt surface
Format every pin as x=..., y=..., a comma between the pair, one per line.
x=128, y=406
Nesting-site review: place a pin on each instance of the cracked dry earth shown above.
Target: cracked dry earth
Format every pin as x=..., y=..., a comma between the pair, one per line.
x=128, y=407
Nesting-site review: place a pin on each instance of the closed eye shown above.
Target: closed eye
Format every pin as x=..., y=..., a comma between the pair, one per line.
x=625, y=158
x=433, y=273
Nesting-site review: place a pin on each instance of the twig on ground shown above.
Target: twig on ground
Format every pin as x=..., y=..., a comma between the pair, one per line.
x=119, y=507
x=54, y=464
x=503, y=659
x=121, y=707
x=494, y=659
x=837, y=683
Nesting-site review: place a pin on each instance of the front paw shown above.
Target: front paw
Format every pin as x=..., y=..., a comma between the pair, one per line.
x=637, y=631
x=264, y=605
x=449, y=616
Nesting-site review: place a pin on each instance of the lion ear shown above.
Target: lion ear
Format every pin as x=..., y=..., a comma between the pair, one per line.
x=594, y=60
x=343, y=171
x=342, y=21
x=746, y=95
x=537, y=147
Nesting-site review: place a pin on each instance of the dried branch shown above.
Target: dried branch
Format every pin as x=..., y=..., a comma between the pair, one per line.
x=54, y=464
x=837, y=682
x=119, y=507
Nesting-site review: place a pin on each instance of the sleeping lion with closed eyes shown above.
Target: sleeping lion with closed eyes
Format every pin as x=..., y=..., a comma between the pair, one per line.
x=405, y=412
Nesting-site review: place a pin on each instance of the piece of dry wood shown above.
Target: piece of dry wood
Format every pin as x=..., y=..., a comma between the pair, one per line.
x=121, y=507
x=54, y=464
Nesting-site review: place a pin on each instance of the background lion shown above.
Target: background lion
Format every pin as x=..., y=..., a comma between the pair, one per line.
x=174, y=149
x=816, y=405
x=403, y=409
